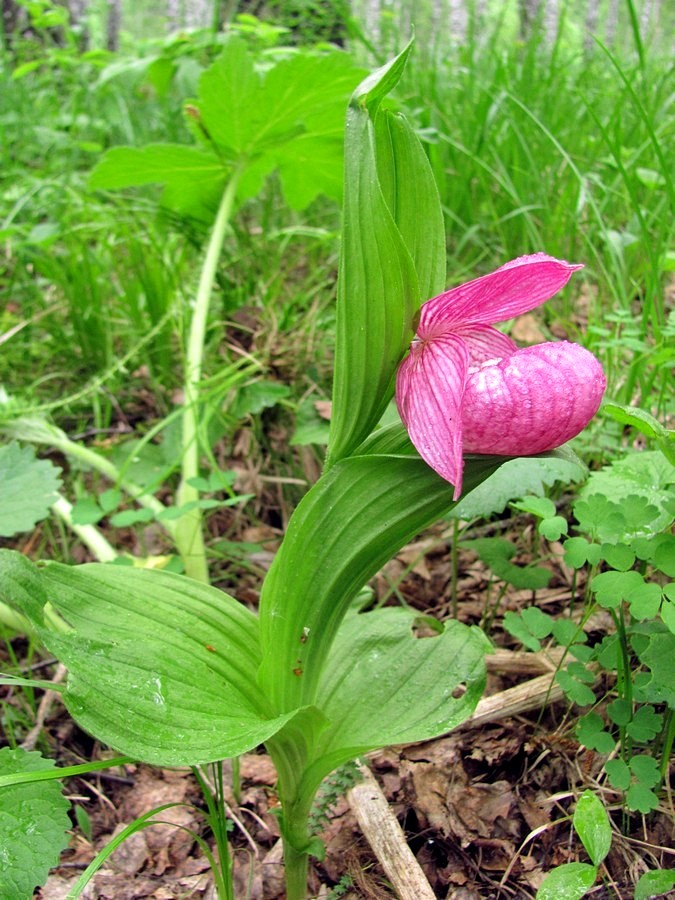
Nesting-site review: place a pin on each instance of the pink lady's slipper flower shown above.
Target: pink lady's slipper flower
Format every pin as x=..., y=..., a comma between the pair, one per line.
x=465, y=387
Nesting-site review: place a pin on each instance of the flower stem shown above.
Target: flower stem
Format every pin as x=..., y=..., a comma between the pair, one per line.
x=188, y=532
x=296, y=867
x=90, y=536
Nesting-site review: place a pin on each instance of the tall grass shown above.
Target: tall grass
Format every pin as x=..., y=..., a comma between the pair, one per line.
x=555, y=142
x=547, y=145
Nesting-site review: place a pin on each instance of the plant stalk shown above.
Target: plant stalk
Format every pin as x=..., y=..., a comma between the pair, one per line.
x=98, y=463
x=90, y=536
x=189, y=535
x=296, y=868
x=291, y=751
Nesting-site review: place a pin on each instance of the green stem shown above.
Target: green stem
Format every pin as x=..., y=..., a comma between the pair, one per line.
x=669, y=737
x=90, y=536
x=454, y=567
x=188, y=534
x=296, y=868
x=291, y=750
x=94, y=460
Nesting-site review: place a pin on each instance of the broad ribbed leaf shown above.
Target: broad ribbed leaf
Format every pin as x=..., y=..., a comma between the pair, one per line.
x=392, y=258
x=160, y=666
x=385, y=686
x=382, y=686
x=411, y=194
x=350, y=523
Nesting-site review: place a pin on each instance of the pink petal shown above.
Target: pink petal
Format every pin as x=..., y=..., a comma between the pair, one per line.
x=534, y=400
x=484, y=342
x=429, y=390
x=515, y=288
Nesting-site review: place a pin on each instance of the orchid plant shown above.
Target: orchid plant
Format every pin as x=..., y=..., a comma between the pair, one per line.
x=174, y=672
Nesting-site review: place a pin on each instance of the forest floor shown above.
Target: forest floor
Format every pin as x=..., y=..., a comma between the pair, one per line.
x=484, y=809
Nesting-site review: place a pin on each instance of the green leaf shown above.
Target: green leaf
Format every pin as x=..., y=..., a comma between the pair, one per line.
x=34, y=825
x=517, y=478
x=600, y=518
x=110, y=500
x=648, y=475
x=229, y=99
x=581, y=672
x=612, y=588
x=310, y=428
x=620, y=711
x=160, y=666
x=636, y=418
x=591, y=823
x=311, y=162
x=645, y=601
x=392, y=258
x=131, y=517
x=568, y=634
x=567, y=882
x=384, y=686
x=646, y=724
x=290, y=118
x=652, y=884
x=579, y=551
x=668, y=610
x=664, y=554
x=639, y=798
x=253, y=398
x=618, y=556
x=86, y=512
x=193, y=178
x=412, y=197
x=658, y=655
x=554, y=528
x=347, y=526
x=496, y=553
x=591, y=732
x=528, y=626
x=542, y=507
x=29, y=487
x=618, y=774
x=645, y=769
x=577, y=692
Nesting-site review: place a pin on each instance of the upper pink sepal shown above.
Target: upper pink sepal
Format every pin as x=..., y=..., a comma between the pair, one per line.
x=534, y=400
x=513, y=289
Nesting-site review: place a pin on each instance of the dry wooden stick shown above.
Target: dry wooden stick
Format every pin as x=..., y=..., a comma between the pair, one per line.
x=381, y=829
x=48, y=699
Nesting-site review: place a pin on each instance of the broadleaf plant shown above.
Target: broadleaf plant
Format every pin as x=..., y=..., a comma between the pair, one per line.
x=34, y=824
x=174, y=672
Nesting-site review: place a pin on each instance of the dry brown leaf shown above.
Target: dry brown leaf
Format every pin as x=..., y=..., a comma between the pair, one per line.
x=526, y=329
x=258, y=768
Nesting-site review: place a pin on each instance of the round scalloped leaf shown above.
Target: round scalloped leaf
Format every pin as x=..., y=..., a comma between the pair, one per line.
x=517, y=478
x=34, y=825
x=642, y=484
x=29, y=487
